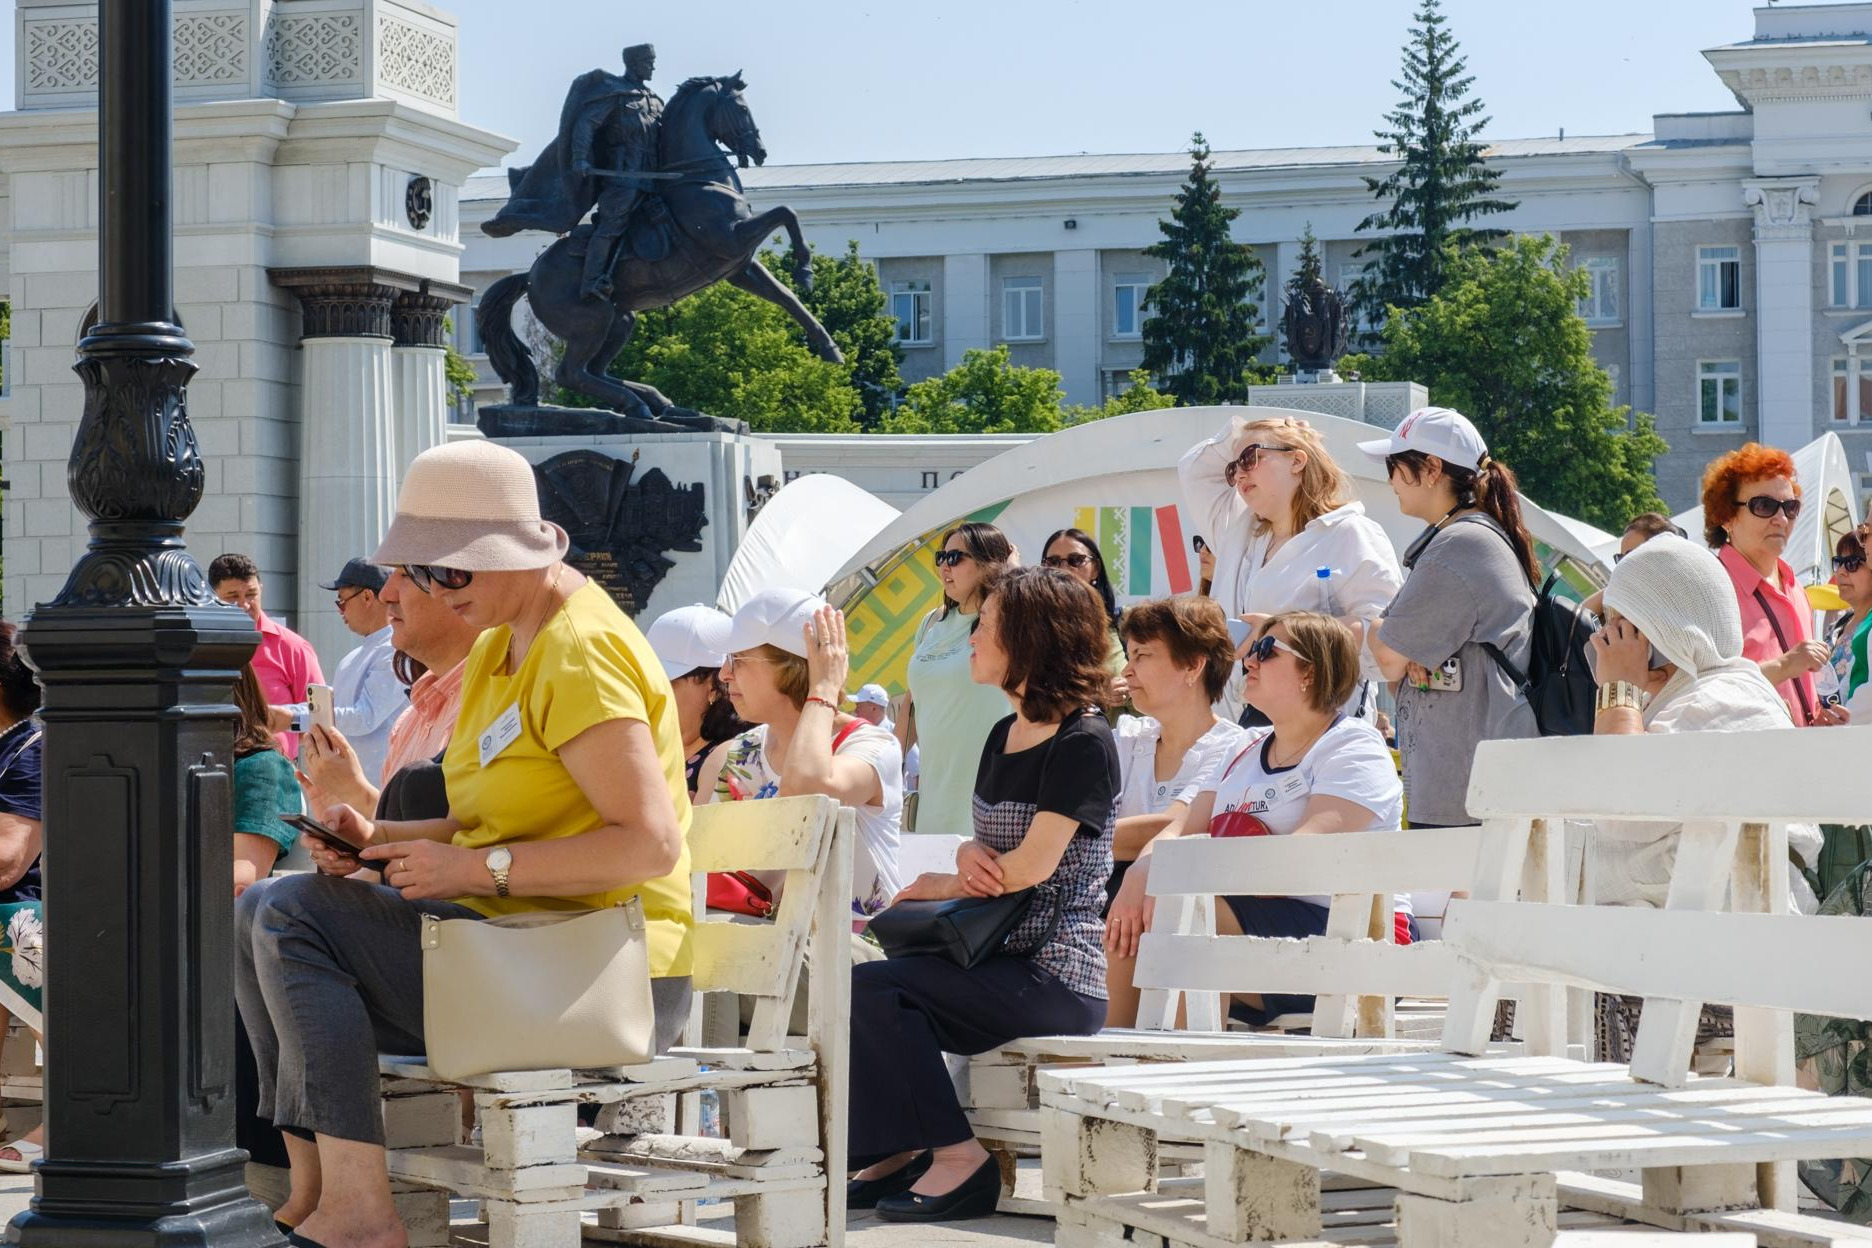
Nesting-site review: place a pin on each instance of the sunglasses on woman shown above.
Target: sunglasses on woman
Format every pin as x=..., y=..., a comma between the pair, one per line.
x=425, y=576
x=950, y=558
x=1849, y=563
x=1264, y=647
x=1763, y=507
x=1075, y=560
x=1249, y=457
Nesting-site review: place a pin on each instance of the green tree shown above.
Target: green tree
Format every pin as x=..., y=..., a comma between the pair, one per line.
x=852, y=306
x=985, y=393
x=1504, y=344
x=1200, y=340
x=456, y=370
x=1441, y=185
x=1141, y=396
x=727, y=353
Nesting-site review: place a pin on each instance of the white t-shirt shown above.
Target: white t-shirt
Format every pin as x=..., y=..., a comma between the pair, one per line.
x=1350, y=761
x=1141, y=792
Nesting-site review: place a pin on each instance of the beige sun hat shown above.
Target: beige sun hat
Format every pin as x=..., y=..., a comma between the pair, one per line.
x=471, y=505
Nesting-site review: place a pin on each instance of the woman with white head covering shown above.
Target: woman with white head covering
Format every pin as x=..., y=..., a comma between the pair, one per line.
x=1669, y=659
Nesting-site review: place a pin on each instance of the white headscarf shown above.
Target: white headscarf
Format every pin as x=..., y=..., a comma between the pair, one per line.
x=1682, y=600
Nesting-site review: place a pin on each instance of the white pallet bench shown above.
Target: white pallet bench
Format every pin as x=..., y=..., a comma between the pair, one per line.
x=1475, y=1145
x=546, y=1183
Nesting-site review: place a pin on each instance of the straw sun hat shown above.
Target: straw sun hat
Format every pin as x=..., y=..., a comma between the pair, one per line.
x=474, y=506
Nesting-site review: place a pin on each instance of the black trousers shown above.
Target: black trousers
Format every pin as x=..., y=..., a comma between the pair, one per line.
x=907, y=1012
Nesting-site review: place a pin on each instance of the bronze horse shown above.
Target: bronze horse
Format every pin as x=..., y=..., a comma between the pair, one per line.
x=717, y=238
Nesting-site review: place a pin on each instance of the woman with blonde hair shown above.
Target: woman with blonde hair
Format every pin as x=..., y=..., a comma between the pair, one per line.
x=1280, y=511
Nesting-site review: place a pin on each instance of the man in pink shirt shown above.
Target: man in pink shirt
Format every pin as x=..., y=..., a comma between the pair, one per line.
x=285, y=662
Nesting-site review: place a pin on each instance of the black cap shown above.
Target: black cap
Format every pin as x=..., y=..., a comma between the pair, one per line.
x=360, y=573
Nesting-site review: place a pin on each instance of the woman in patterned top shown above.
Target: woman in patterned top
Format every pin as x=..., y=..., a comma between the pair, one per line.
x=1043, y=815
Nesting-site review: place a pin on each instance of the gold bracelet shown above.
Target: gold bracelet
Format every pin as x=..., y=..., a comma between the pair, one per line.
x=1617, y=694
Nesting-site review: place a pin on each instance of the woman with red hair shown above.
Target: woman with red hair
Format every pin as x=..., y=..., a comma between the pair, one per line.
x=1750, y=502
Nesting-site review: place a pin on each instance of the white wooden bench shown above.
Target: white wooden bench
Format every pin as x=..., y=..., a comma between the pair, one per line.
x=1181, y=960
x=1484, y=1150
x=783, y=1162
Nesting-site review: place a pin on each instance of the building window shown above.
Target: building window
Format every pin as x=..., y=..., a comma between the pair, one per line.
x=1023, y=309
x=1719, y=279
x=1850, y=284
x=1862, y=207
x=1851, y=374
x=1601, y=307
x=468, y=329
x=1128, y=307
x=910, y=305
x=1719, y=392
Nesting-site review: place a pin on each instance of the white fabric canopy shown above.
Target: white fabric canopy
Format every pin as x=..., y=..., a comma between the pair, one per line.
x=803, y=536
x=1831, y=510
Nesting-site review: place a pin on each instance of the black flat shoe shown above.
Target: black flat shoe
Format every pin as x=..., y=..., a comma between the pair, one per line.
x=865, y=1193
x=974, y=1197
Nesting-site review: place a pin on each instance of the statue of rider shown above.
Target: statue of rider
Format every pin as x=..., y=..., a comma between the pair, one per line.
x=613, y=138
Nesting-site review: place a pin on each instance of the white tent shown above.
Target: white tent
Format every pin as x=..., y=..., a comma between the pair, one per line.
x=1832, y=509
x=807, y=531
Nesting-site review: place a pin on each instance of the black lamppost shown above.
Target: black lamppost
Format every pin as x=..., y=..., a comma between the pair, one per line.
x=138, y=660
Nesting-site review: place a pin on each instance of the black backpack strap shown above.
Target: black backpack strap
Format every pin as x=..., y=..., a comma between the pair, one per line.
x=1515, y=675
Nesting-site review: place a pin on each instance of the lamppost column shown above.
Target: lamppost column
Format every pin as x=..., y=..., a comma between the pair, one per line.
x=138, y=661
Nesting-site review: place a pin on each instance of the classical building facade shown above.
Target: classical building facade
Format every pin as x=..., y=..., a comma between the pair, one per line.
x=1730, y=253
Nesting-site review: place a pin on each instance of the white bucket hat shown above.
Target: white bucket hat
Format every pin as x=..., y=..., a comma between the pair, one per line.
x=676, y=637
x=1440, y=431
x=471, y=505
x=771, y=617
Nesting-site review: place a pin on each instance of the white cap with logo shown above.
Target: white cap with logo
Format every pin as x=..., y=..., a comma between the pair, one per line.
x=1440, y=431
x=770, y=617
x=676, y=637
x=876, y=695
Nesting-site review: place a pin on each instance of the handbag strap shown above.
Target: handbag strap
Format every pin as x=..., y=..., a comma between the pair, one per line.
x=1046, y=937
x=1800, y=690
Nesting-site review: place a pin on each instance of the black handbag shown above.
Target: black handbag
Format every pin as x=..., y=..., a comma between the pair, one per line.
x=966, y=930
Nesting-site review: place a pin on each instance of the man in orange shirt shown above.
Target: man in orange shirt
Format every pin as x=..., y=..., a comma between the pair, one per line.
x=285, y=661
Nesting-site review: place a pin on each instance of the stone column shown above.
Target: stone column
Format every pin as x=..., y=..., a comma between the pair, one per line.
x=1784, y=302
x=421, y=407
x=1077, y=330
x=347, y=446
x=965, y=310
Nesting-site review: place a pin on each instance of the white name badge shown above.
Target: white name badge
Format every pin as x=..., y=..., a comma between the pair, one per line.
x=500, y=734
x=1294, y=784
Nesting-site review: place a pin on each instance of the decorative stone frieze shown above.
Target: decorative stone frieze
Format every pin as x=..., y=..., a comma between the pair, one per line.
x=317, y=50
x=1783, y=208
x=1770, y=84
x=413, y=59
x=349, y=302
x=416, y=320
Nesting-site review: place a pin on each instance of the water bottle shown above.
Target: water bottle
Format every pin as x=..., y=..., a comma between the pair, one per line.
x=1327, y=606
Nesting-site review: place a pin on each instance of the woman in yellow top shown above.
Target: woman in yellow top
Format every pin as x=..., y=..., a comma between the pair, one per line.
x=566, y=792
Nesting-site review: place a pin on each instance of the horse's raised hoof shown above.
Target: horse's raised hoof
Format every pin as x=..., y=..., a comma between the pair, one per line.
x=831, y=354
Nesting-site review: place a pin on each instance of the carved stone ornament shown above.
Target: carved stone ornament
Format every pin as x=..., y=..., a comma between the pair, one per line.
x=1314, y=324
x=1783, y=210
x=362, y=302
x=620, y=528
x=759, y=493
x=419, y=318
x=1781, y=83
x=419, y=202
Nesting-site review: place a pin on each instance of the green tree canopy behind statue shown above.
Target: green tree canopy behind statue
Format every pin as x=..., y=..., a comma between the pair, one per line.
x=848, y=301
x=1199, y=339
x=1503, y=343
x=1441, y=184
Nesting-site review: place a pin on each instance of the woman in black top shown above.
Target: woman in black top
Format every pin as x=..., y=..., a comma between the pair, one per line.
x=1043, y=803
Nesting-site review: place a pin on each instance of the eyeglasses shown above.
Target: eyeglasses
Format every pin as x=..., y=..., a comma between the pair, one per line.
x=1763, y=507
x=424, y=576
x=345, y=600
x=950, y=558
x=1249, y=457
x=1264, y=647
x=1849, y=563
x=735, y=660
x=1074, y=560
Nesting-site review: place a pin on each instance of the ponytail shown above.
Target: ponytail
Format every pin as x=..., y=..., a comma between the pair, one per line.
x=1491, y=490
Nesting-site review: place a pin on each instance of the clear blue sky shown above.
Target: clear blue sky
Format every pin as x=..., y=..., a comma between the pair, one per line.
x=889, y=79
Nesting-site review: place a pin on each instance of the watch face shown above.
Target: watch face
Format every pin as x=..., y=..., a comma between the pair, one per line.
x=499, y=859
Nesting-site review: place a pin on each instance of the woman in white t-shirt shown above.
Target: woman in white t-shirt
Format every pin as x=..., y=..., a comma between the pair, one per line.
x=1179, y=656
x=1315, y=771
x=786, y=674
x=1279, y=510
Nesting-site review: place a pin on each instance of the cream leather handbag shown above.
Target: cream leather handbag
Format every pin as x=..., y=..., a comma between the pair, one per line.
x=537, y=991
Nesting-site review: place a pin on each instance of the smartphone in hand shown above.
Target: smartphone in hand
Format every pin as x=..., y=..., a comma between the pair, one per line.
x=319, y=698
x=311, y=827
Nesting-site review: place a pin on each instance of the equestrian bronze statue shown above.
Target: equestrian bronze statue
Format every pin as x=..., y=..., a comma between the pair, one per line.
x=668, y=219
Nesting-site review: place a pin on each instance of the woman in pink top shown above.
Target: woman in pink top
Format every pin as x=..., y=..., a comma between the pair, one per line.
x=1750, y=502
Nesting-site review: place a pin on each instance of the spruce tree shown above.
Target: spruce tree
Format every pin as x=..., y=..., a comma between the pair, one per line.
x=1200, y=339
x=1442, y=184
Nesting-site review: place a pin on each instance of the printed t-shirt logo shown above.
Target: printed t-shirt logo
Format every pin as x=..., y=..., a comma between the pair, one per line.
x=1238, y=823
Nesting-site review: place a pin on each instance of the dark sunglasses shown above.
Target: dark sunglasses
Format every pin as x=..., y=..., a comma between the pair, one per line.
x=1264, y=647
x=425, y=576
x=1250, y=456
x=949, y=558
x=1849, y=563
x=1763, y=507
x=1074, y=560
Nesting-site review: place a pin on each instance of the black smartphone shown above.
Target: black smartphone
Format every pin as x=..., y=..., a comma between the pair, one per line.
x=313, y=828
x=1198, y=544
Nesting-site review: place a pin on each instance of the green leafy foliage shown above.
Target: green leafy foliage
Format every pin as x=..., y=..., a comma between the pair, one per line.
x=1442, y=183
x=1503, y=343
x=1200, y=340
x=985, y=393
x=1141, y=396
x=456, y=370
x=848, y=301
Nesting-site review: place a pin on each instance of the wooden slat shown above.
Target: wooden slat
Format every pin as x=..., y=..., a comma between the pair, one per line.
x=1851, y=1139
x=1770, y=777
x=1118, y=1043
x=1778, y=961
x=778, y=834
x=1413, y=860
x=1262, y=964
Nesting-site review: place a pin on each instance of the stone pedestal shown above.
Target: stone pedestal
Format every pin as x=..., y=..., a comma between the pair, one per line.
x=1381, y=403
x=654, y=517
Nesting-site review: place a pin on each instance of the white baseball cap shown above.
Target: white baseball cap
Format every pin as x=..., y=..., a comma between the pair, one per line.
x=771, y=617
x=1440, y=431
x=676, y=637
x=872, y=694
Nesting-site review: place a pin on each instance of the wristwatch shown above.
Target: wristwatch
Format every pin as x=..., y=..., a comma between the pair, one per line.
x=1619, y=693
x=499, y=862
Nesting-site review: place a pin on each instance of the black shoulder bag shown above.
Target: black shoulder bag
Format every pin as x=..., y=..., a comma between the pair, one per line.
x=966, y=930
